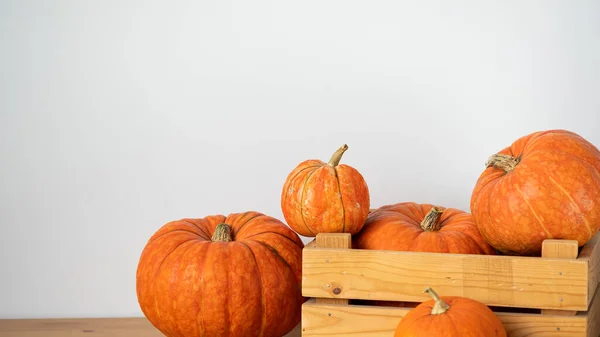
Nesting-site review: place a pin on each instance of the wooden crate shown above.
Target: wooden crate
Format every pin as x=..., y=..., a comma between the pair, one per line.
x=555, y=295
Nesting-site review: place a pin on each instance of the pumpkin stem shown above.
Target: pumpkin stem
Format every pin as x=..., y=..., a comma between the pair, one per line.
x=431, y=222
x=503, y=161
x=222, y=233
x=440, y=306
x=337, y=156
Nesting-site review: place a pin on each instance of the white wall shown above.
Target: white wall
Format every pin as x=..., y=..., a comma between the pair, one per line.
x=118, y=116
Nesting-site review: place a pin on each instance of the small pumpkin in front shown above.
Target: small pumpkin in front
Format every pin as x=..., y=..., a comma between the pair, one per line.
x=319, y=197
x=545, y=185
x=410, y=226
x=237, y=276
x=450, y=316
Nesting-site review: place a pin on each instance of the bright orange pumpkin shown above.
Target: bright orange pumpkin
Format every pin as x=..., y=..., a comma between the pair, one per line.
x=409, y=226
x=321, y=197
x=237, y=276
x=546, y=185
x=450, y=316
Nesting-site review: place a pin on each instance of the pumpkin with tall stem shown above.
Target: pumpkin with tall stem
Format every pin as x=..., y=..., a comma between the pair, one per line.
x=319, y=197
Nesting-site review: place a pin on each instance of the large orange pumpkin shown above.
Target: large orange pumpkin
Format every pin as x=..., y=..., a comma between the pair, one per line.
x=237, y=276
x=321, y=197
x=410, y=226
x=546, y=185
x=450, y=316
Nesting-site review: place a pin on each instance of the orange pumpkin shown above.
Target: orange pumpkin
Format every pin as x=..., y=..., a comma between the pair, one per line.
x=450, y=316
x=234, y=276
x=409, y=226
x=546, y=185
x=321, y=197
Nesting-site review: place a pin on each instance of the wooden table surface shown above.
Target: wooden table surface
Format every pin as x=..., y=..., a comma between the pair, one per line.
x=86, y=327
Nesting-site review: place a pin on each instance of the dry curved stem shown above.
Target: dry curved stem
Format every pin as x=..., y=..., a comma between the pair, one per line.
x=337, y=156
x=431, y=222
x=222, y=233
x=440, y=306
x=503, y=161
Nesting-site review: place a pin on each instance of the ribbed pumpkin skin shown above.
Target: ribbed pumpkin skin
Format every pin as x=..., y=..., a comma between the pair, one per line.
x=464, y=318
x=320, y=198
x=189, y=286
x=553, y=192
x=398, y=227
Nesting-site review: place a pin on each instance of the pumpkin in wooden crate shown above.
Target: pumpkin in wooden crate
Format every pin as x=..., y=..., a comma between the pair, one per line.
x=321, y=197
x=450, y=316
x=545, y=185
x=236, y=276
x=410, y=226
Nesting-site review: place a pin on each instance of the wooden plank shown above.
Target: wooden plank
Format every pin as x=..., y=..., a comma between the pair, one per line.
x=333, y=240
x=593, y=315
x=526, y=282
x=86, y=327
x=330, y=320
x=560, y=249
x=590, y=253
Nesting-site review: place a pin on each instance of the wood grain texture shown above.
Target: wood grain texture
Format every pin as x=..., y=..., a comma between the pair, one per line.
x=528, y=282
x=593, y=315
x=86, y=327
x=331, y=320
x=333, y=240
x=560, y=249
x=590, y=253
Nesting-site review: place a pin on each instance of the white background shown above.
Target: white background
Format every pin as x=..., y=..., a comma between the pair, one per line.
x=118, y=116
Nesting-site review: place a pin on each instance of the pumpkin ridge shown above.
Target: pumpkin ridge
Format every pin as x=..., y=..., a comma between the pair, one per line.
x=573, y=203
x=227, y=263
x=450, y=320
x=275, y=252
x=201, y=228
x=291, y=178
x=201, y=323
x=493, y=188
x=257, y=215
x=534, y=138
x=441, y=242
x=483, y=316
x=484, y=247
x=272, y=232
x=341, y=200
x=166, y=256
x=201, y=256
x=518, y=189
x=530, y=148
x=262, y=291
x=417, y=322
x=302, y=202
x=159, y=269
x=578, y=158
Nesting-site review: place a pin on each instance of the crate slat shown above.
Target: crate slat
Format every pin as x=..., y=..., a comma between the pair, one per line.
x=526, y=282
x=590, y=253
x=560, y=249
x=333, y=240
x=332, y=320
x=593, y=315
